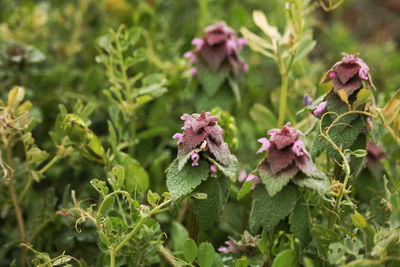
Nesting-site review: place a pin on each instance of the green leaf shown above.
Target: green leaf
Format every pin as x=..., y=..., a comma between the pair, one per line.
x=230, y=170
x=181, y=183
x=100, y=186
x=244, y=190
x=322, y=186
x=267, y=211
x=206, y=255
x=300, y=222
x=272, y=183
x=210, y=80
x=362, y=97
x=209, y=210
x=218, y=261
x=119, y=173
x=324, y=236
x=368, y=232
x=153, y=198
x=15, y=96
x=286, y=258
x=178, y=235
x=189, y=250
x=106, y=206
x=37, y=155
x=136, y=178
x=242, y=262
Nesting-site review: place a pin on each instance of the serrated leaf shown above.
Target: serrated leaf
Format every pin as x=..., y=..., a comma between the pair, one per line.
x=218, y=261
x=272, y=183
x=267, y=211
x=209, y=210
x=300, y=222
x=189, y=250
x=211, y=81
x=206, y=255
x=286, y=258
x=181, y=183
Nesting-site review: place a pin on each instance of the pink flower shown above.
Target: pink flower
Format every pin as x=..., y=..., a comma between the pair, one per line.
x=242, y=42
x=202, y=134
x=195, y=158
x=265, y=145
x=242, y=176
x=179, y=137
x=213, y=170
x=286, y=157
x=298, y=148
x=198, y=43
x=348, y=74
x=219, y=47
x=364, y=71
x=321, y=107
x=193, y=72
x=223, y=250
x=254, y=179
x=191, y=56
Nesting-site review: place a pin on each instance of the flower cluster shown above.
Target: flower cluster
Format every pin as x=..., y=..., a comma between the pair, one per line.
x=202, y=134
x=219, y=45
x=246, y=245
x=286, y=156
x=349, y=74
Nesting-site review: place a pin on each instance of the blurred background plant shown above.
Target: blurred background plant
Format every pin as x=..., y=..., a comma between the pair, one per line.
x=90, y=117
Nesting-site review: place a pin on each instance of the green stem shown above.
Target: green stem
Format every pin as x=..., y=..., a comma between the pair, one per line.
x=112, y=257
x=139, y=224
x=283, y=98
x=49, y=164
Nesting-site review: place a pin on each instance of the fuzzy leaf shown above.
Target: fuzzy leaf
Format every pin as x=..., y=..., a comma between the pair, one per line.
x=210, y=80
x=300, y=222
x=209, y=210
x=319, y=185
x=267, y=211
x=274, y=183
x=181, y=183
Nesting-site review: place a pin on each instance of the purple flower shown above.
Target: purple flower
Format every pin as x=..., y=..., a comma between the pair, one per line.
x=287, y=155
x=231, y=248
x=202, y=134
x=195, y=158
x=242, y=176
x=193, y=71
x=307, y=100
x=348, y=74
x=219, y=46
x=213, y=170
x=265, y=145
x=191, y=56
x=254, y=179
x=321, y=107
x=179, y=137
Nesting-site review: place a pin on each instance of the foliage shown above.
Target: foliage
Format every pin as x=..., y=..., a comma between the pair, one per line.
x=96, y=89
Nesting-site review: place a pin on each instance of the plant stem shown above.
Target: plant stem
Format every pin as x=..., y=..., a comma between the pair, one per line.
x=141, y=221
x=283, y=98
x=112, y=256
x=18, y=212
x=283, y=94
x=193, y=225
x=49, y=164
